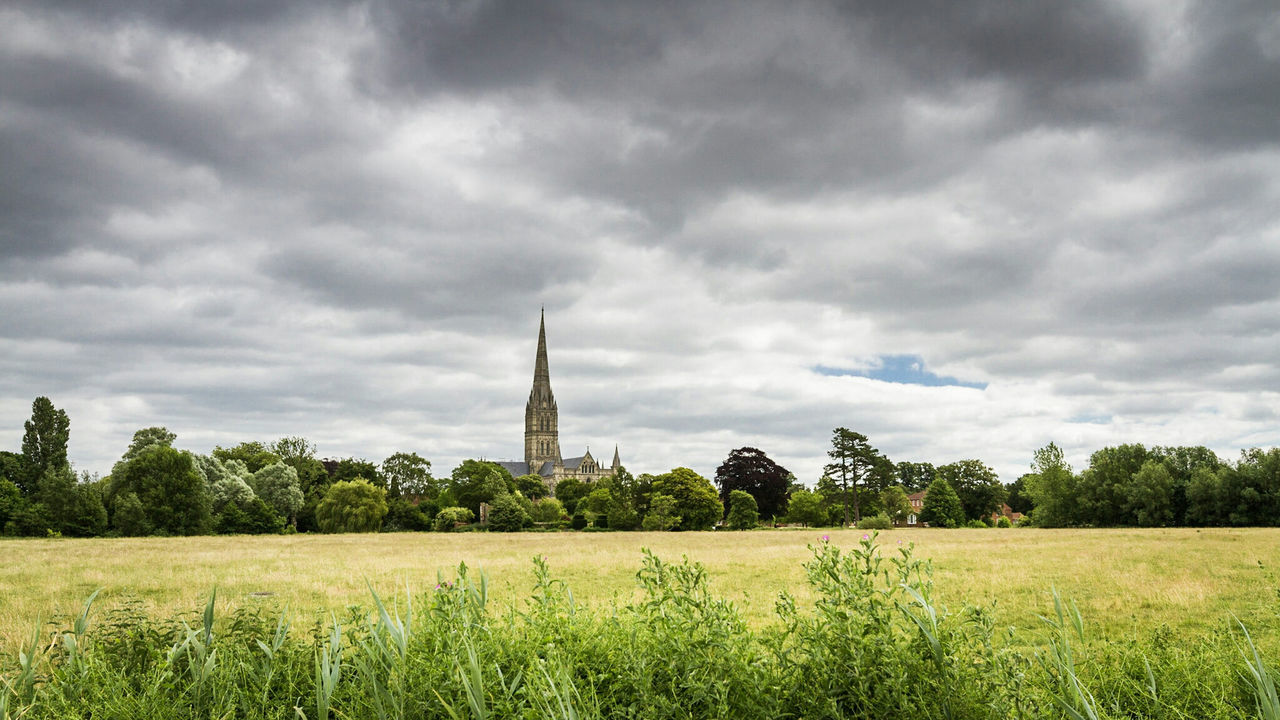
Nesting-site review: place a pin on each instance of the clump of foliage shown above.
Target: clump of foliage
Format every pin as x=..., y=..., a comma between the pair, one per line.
x=451, y=517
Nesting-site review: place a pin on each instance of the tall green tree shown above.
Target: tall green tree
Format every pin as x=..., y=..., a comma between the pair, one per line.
x=74, y=508
x=479, y=481
x=805, y=508
x=408, y=473
x=696, y=499
x=750, y=470
x=1052, y=487
x=1103, y=489
x=293, y=448
x=532, y=486
x=942, y=506
x=853, y=460
x=44, y=443
x=570, y=492
x=159, y=491
x=914, y=476
x=1150, y=495
x=1204, y=497
x=1182, y=463
x=145, y=438
x=977, y=486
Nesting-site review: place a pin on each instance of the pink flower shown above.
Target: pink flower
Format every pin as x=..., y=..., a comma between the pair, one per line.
x=899, y=542
x=866, y=537
x=826, y=538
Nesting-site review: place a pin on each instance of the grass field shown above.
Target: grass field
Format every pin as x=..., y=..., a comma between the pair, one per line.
x=1127, y=582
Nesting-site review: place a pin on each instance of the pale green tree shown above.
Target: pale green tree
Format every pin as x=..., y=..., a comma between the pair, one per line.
x=228, y=482
x=277, y=485
x=352, y=506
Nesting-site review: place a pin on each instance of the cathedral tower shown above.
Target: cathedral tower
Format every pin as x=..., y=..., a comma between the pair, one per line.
x=541, y=419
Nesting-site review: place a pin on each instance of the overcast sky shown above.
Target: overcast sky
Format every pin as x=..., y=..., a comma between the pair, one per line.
x=964, y=229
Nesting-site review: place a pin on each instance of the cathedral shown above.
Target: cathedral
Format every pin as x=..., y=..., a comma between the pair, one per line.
x=542, y=433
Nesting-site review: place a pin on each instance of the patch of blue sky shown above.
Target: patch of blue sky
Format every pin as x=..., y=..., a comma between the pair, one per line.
x=901, y=369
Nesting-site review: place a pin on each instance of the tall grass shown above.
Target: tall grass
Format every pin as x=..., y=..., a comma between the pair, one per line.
x=874, y=640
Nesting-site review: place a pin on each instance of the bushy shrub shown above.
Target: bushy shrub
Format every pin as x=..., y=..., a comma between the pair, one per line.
x=547, y=510
x=879, y=521
x=579, y=521
x=506, y=514
x=1003, y=522
x=977, y=525
x=451, y=517
x=743, y=514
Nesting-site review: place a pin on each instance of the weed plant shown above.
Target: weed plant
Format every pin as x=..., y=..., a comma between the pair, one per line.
x=875, y=642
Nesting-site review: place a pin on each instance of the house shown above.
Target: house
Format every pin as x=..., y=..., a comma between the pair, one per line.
x=1006, y=511
x=917, y=504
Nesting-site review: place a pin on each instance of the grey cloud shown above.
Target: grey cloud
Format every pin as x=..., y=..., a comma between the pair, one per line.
x=1039, y=192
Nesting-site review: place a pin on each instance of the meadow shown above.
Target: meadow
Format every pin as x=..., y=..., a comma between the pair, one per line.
x=1125, y=581
x=1159, y=635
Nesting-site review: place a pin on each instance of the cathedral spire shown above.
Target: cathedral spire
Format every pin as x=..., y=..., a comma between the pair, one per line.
x=541, y=420
x=541, y=370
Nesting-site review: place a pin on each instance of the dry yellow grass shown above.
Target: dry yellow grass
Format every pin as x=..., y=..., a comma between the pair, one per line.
x=1125, y=581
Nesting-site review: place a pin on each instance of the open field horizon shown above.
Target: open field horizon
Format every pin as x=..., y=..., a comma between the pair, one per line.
x=1125, y=581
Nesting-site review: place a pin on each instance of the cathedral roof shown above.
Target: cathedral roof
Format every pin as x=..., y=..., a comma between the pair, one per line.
x=517, y=468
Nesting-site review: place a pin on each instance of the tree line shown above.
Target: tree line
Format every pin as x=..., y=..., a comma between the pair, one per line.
x=1133, y=485
x=282, y=486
